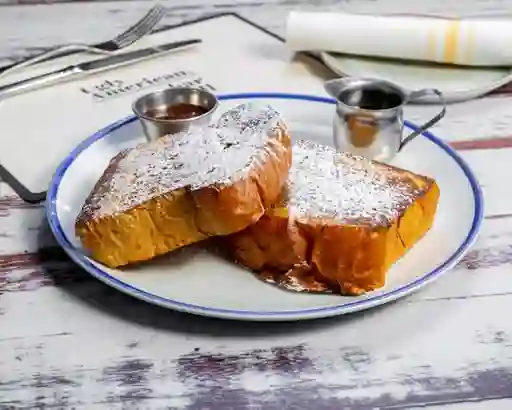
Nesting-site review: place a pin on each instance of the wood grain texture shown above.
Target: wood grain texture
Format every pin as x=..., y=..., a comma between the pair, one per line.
x=53, y=23
x=69, y=342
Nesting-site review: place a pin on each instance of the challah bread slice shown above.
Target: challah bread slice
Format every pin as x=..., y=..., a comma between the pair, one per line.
x=184, y=188
x=341, y=223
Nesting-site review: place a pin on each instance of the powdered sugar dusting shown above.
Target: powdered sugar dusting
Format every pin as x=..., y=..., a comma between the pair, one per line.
x=199, y=157
x=345, y=188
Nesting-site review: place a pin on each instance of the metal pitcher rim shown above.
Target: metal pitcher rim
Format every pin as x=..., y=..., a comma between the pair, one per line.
x=365, y=81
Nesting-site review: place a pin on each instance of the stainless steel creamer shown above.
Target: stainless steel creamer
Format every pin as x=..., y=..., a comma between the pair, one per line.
x=369, y=116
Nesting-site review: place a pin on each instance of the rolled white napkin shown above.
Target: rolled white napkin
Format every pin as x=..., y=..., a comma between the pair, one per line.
x=474, y=42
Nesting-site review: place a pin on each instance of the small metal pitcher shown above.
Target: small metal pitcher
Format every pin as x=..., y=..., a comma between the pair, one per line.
x=369, y=116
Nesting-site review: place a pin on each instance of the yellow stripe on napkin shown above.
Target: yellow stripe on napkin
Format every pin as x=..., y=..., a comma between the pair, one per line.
x=451, y=41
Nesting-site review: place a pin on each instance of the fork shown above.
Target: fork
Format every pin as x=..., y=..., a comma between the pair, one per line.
x=134, y=33
x=122, y=40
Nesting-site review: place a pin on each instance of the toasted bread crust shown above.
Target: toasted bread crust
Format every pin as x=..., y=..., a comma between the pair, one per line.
x=319, y=254
x=186, y=215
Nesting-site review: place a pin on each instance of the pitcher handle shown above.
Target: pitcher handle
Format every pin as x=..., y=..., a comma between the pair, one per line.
x=418, y=94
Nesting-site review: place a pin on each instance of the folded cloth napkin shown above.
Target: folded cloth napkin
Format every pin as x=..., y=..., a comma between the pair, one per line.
x=472, y=41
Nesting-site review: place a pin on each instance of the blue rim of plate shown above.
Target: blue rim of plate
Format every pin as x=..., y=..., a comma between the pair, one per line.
x=371, y=301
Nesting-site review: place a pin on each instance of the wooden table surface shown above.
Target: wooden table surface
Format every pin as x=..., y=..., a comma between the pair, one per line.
x=69, y=342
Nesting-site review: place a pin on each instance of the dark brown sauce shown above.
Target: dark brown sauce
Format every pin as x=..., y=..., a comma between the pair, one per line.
x=181, y=111
x=298, y=279
x=371, y=98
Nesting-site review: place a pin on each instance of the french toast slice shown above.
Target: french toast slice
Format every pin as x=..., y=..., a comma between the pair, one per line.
x=340, y=224
x=187, y=187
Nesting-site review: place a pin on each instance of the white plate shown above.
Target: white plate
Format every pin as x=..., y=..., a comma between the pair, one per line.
x=197, y=282
x=456, y=83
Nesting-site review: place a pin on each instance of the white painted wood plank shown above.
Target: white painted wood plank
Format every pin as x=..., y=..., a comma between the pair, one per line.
x=93, y=21
x=504, y=404
x=492, y=168
x=96, y=21
x=68, y=341
x=361, y=359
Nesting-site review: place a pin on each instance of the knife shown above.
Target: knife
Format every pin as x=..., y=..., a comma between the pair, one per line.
x=89, y=67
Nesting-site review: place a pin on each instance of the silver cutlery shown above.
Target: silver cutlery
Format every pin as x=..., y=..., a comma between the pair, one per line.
x=136, y=32
x=89, y=67
x=145, y=25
